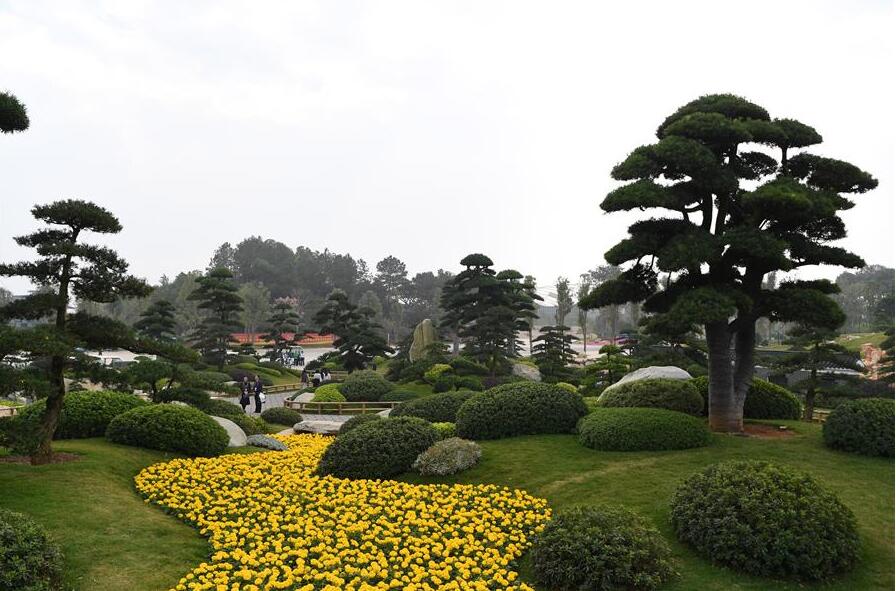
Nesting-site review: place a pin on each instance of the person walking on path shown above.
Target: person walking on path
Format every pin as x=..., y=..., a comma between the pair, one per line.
x=245, y=390
x=304, y=378
x=315, y=379
x=259, y=394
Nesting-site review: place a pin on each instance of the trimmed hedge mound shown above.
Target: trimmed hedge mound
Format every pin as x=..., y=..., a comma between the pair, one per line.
x=765, y=400
x=678, y=395
x=357, y=421
x=280, y=415
x=435, y=408
x=641, y=429
x=328, y=393
x=519, y=408
x=861, y=426
x=29, y=559
x=399, y=396
x=169, y=427
x=365, y=386
x=607, y=548
x=378, y=449
x=765, y=520
x=84, y=414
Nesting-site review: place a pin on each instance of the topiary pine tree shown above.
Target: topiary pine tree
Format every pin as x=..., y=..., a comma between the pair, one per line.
x=13, y=114
x=284, y=320
x=552, y=352
x=358, y=337
x=71, y=268
x=219, y=298
x=157, y=321
x=725, y=237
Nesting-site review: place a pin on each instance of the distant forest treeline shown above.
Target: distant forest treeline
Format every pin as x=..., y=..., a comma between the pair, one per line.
x=267, y=270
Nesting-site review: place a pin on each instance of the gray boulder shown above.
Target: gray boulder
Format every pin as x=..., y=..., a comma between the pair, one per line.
x=235, y=434
x=424, y=336
x=526, y=371
x=654, y=372
x=267, y=442
x=315, y=426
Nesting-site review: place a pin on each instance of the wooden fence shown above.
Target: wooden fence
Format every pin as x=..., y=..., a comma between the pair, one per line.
x=339, y=408
x=8, y=411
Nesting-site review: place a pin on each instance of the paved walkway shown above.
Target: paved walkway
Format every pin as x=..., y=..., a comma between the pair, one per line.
x=276, y=400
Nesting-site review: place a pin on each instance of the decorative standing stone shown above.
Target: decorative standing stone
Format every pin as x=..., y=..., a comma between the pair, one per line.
x=526, y=371
x=424, y=336
x=235, y=434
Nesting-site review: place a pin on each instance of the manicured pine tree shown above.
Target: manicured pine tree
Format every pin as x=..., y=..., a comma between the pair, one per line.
x=724, y=237
x=157, y=321
x=284, y=320
x=553, y=352
x=530, y=285
x=358, y=337
x=73, y=269
x=13, y=114
x=219, y=298
x=584, y=289
x=522, y=299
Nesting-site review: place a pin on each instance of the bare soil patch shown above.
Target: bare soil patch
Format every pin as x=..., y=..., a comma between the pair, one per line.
x=767, y=431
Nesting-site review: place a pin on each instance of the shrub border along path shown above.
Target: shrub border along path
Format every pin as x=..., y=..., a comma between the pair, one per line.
x=139, y=543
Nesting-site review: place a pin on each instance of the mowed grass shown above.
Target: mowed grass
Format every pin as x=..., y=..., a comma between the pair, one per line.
x=557, y=468
x=113, y=541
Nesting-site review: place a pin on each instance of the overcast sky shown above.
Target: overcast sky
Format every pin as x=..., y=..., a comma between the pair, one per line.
x=420, y=129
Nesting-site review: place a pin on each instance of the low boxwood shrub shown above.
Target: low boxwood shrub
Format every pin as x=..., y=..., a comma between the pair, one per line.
x=365, y=386
x=446, y=430
x=640, y=429
x=444, y=383
x=357, y=421
x=192, y=396
x=169, y=427
x=680, y=395
x=436, y=371
x=567, y=386
x=84, y=413
x=520, y=408
x=765, y=520
x=606, y=548
x=435, y=408
x=862, y=427
x=765, y=400
x=266, y=442
x=29, y=559
x=280, y=415
x=217, y=407
x=448, y=456
x=328, y=393
x=249, y=424
x=472, y=383
x=399, y=396
x=464, y=366
x=378, y=449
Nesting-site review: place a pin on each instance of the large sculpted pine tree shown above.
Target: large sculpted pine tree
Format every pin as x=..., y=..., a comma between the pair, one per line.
x=732, y=214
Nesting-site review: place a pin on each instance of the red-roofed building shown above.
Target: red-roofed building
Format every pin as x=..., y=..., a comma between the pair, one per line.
x=260, y=338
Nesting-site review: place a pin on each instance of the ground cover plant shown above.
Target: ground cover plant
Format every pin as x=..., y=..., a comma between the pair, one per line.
x=340, y=534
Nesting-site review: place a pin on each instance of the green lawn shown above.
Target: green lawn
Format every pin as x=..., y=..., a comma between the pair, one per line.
x=854, y=342
x=113, y=541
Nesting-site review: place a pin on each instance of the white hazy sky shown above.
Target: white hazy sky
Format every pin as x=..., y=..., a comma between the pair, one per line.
x=421, y=129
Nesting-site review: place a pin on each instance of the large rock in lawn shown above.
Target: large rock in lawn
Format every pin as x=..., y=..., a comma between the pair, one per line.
x=235, y=434
x=322, y=427
x=654, y=372
x=528, y=372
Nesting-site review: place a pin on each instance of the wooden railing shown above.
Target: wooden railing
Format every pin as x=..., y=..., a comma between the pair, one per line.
x=820, y=415
x=339, y=408
x=8, y=411
x=283, y=388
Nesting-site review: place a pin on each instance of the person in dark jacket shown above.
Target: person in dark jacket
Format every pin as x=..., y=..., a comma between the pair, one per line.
x=245, y=392
x=259, y=392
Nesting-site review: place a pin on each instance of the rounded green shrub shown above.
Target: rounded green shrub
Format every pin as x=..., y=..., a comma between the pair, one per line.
x=192, y=396
x=464, y=366
x=519, y=408
x=217, y=407
x=862, y=427
x=328, y=393
x=766, y=520
x=446, y=430
x=606, y=548
x=765, y=400
x=678, y=395
x=249, y=424
x=365, y=386
x=378, y=449
x=357, y=421
x=472, y=383
x=435, y=372
x=435, y=408
x=640, y=429
x=567, y=386
x=444, y=383
x=169, y=427
x=29, y=559
x=280, y=415
x=84, y=413
x=399, y=396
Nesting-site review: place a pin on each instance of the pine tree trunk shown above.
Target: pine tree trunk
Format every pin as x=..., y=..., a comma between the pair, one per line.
x=725, y=415
x=810, y=394
x=744, y=362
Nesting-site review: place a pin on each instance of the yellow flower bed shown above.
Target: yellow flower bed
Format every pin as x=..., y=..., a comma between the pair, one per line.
x=273, y=525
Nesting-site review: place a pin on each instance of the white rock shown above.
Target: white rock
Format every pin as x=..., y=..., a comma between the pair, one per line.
x=527, y=371
x=234, y=432
x=654, y=372
x=322, y=427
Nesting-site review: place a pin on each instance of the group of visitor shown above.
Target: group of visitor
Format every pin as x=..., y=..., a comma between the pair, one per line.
x=250, y=390
x=317, y=378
